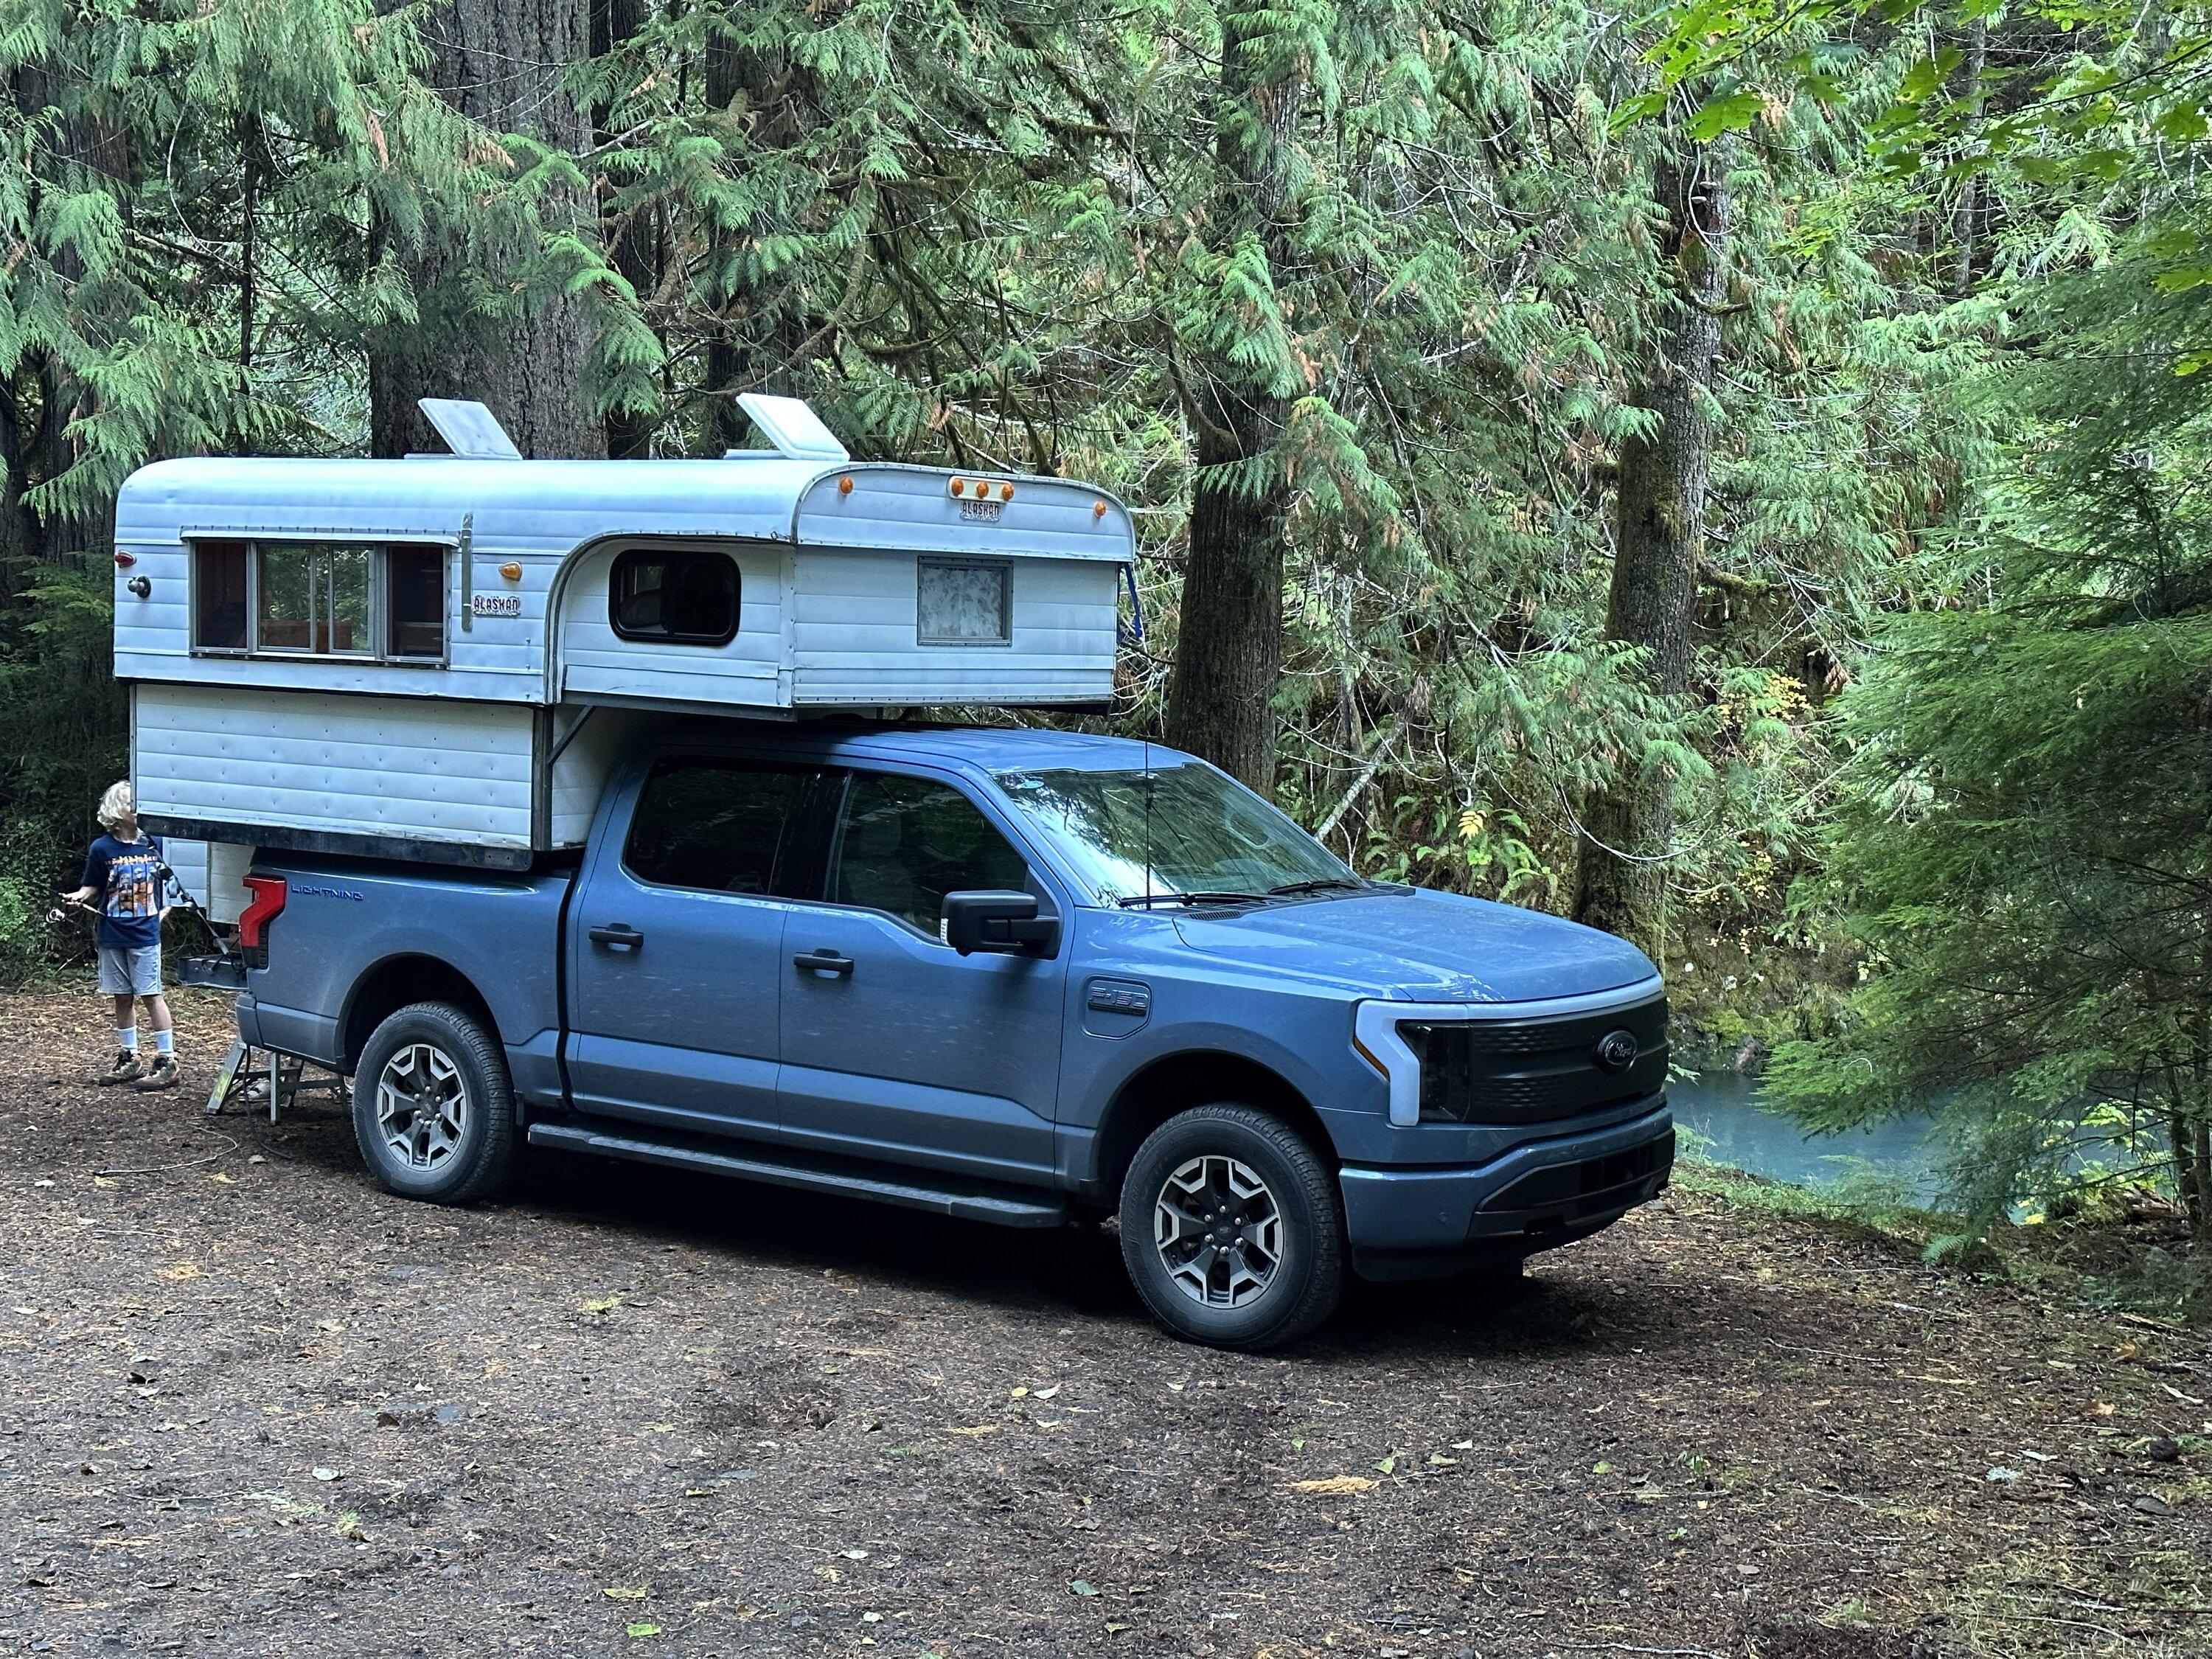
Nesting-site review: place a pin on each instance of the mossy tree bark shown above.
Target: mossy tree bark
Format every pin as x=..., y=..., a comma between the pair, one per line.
x=1229, y=649
x=1659, y=529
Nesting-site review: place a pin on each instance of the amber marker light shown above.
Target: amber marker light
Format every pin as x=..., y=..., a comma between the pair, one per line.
x=512, y=570
x=845, y=486
x=1005, y=492
x=1097, y=509
x=960, y=486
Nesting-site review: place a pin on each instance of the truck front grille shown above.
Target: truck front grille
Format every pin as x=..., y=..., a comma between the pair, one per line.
x=1535, y=1071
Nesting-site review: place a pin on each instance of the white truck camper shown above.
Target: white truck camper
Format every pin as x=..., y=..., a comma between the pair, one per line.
x=440, y=658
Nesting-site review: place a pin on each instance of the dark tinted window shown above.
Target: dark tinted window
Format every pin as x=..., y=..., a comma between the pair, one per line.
x=904, y=843
x=415, y=597
x=219, y=596
x=675, y=597
x=717, y=825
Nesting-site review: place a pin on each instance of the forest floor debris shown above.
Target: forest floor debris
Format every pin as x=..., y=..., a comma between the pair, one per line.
x=257, y=1406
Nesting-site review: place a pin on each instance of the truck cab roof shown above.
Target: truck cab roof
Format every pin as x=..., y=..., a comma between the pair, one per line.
x=985, y=748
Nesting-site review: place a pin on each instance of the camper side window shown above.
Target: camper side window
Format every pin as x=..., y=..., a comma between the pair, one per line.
x=679, y=596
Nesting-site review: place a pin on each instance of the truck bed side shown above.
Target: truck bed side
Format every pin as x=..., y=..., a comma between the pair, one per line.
x=356, y=940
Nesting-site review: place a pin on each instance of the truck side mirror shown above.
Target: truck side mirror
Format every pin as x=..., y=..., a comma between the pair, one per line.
x=1002, y=924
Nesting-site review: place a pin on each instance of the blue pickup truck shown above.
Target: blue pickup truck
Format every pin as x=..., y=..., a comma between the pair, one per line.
x=1020, y=976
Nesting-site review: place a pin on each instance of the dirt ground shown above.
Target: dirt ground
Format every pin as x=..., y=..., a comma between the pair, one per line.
x=254, y=1405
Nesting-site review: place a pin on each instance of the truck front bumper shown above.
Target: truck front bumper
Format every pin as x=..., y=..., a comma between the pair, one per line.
x=1414, y=1223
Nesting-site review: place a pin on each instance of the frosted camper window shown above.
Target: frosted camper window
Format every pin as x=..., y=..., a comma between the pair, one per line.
x=685, y=596
x=965, y=602
x=221, y=605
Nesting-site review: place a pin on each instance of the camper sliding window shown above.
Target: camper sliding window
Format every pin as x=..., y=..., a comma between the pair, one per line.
x=320, y=600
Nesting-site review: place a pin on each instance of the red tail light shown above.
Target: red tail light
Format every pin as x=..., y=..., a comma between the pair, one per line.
x=268, y=895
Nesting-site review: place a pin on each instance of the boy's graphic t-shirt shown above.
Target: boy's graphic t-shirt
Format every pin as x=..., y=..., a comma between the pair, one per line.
x=127, y=874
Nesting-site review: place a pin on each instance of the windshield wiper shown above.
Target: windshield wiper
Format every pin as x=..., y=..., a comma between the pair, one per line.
x=1142, y=901
x=1318, y=885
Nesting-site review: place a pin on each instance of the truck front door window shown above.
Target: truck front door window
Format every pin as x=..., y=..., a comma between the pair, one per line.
x=717, y=825
x=903, y=843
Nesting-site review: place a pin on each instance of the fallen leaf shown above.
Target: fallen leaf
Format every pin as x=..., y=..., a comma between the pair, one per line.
x=322, y=1472
x=622, y=1594
x=602, y=1304
x=641, y=1629
x=981, y=1428
x=1083, y=1587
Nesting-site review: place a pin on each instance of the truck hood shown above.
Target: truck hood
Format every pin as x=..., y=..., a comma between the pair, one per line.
x=1420, y=946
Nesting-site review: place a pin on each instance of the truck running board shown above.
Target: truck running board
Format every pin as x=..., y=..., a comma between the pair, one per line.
x=970, y=1201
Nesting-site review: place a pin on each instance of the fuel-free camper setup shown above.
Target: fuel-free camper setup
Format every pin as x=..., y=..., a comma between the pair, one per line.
x=440, y=658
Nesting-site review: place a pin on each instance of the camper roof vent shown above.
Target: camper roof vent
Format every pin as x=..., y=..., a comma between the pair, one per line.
x=469, y=429
x=796, y=430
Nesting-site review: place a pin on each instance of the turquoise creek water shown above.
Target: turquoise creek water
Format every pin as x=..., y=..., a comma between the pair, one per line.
x=1725, y=1109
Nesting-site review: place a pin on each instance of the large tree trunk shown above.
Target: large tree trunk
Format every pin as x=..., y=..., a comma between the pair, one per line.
x=614, y=24
x=1659, y=539
x=498, y=61
x=1229, y=646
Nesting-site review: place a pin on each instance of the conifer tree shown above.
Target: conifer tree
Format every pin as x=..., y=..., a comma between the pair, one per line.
x=1229, y=641
x=1664, y=470
x=495, y=316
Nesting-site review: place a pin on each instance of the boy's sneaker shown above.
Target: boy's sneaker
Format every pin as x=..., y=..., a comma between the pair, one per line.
x=163, y=1076
x=128, y=1068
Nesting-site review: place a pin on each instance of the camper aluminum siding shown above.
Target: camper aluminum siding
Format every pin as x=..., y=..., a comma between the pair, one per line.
x=476, y=755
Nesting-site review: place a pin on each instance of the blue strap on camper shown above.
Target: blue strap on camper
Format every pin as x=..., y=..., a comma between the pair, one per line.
x=1132, y=632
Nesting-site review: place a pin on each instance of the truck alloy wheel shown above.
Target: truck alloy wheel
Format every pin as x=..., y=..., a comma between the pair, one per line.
x=422, y=1105
x=1219, y=1232
x=434, y=1110
x=1232, y=1228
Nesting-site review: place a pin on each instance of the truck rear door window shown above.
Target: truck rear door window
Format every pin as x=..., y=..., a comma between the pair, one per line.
x=720, y=826
x=903, y=843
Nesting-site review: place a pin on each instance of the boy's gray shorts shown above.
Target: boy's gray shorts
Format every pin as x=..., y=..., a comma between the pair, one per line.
x=125, y=972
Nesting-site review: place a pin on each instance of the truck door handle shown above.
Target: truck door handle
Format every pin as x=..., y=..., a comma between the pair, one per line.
x=823, y=961
x=617, y=933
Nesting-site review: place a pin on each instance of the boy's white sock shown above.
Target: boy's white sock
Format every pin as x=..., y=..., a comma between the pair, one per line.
x=165, y=1042
x=127, y=1039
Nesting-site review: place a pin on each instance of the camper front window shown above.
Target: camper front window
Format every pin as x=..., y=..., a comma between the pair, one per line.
x=320, y=598
x=315, y=598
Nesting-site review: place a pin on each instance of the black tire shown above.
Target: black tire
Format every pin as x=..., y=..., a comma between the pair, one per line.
x=445, y=1166
x=1299, y=1290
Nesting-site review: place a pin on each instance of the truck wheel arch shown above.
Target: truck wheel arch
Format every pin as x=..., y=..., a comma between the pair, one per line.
x=1175, y=1083
x=391, y=985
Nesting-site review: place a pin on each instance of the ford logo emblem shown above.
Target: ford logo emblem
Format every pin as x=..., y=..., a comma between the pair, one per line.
x=1616, y=1050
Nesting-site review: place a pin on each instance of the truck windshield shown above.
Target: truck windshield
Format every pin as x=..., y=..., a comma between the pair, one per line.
x=1205, y=836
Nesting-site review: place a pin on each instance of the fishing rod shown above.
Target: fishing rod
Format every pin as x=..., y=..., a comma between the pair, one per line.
x=171, y=882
